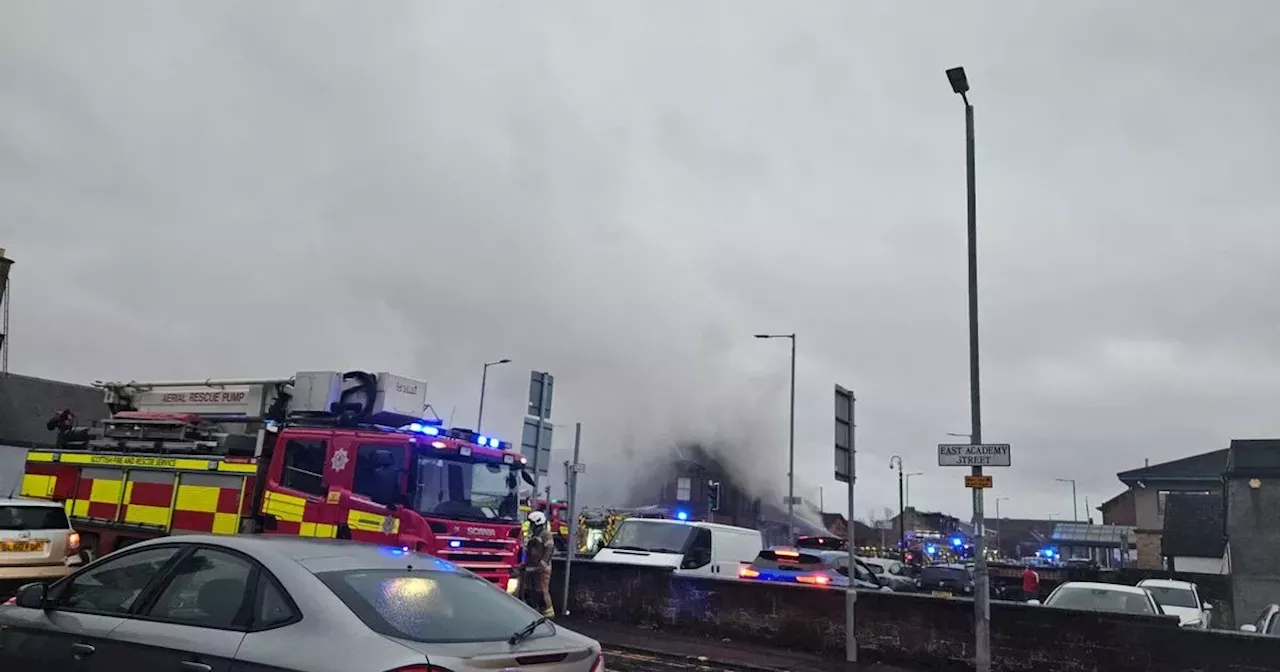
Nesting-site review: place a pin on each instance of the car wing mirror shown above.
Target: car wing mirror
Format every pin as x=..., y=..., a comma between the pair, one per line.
x=34, y=596
x=1248, y=627
x=524, y=474
x=1207, y=607
x=1034, y=602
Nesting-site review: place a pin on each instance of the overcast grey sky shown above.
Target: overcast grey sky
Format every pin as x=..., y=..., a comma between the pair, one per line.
x=622, y=193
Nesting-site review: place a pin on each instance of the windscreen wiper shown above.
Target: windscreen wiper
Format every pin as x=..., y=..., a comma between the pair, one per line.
x=518, y=637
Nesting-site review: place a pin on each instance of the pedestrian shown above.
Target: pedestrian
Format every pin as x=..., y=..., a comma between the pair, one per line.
x=538, y=550
x=1030, y=584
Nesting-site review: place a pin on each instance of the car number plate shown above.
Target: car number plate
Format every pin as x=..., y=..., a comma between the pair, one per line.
x=941, y=593
x=25, y=546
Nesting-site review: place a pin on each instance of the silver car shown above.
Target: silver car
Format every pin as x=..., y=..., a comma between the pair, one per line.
x=36, y=543
x=253, y=604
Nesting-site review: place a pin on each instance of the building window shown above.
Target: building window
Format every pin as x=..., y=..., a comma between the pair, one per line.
x=1162, y=495
x=683, y=487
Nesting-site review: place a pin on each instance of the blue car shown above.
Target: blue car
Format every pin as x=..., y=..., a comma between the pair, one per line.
x=811, y=567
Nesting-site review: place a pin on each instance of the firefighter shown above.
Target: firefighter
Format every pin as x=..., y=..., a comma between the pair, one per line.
x=537, y=561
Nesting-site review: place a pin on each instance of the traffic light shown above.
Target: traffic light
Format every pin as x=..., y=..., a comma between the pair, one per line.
x=713, y=495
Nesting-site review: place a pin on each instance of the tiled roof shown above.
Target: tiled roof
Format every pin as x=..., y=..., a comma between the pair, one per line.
x=1205, y=466
x=1193, y=526
x=1253, y=457
x=27, y=403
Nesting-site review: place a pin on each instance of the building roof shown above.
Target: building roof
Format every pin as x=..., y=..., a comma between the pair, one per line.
x=1084, y=534
x=1203, y=467
x=1253, y=457
x=1111, y=502
x=1193, y=526
x=27, y=403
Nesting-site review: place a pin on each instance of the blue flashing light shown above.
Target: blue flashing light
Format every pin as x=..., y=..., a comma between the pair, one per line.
x=930, y=549
x=454, y=543
x=682, y=515
x=431, y=431
x=482, y=440
x=956, y=541
x=1048, y=552
x=395, y=552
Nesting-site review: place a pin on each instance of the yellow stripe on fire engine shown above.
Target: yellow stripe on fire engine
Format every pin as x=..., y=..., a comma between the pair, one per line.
x=321, y=530
x=237, y=467
x=202, y=498
x=34, y=456
x=105, y=491
x=284, y=507
x=226, y=523
x=136, y=461
x=38, y=485
x=372, y=522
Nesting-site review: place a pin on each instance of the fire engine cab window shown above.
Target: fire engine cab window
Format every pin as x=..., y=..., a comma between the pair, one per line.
x=304, y=466
x=377, y=474
x=466, y=490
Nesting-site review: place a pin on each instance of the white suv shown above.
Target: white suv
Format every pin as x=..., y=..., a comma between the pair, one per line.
x=36, y=543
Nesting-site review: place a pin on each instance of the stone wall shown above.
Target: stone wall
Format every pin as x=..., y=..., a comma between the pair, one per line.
x=904, y=629
x=1148, y=543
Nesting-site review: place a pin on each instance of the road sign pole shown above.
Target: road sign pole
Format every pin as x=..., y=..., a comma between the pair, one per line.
x=981, y=583
x=850, y=594
x=573, y=521
x=846, y=471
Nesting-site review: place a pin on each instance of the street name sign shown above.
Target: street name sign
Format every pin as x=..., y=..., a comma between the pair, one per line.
x=974, y=455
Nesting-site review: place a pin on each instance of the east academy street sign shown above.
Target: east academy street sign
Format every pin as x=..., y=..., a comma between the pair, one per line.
x=971, y=455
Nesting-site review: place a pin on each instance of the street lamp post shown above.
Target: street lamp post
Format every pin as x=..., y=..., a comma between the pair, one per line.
x=1075, y=517
x=484, y=379
x=902, y=506
x=981, y=593
x=914, y=473
x=998, y=500
x=791, y=439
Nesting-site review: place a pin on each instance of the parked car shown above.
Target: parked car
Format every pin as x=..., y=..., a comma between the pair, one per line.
x=1181, y=599
x=36, y=543
x=1268, y=622
x=943, y=580
x=826, y=569
x=891, y=573
x=1111, y=597
x=208, y=603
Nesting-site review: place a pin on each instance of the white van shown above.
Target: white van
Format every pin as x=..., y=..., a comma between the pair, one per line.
x=688, y=548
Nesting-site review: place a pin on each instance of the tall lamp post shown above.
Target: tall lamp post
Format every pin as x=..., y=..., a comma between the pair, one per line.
x=981, y=592
x=909, y=475
x=1075, y=518
x=484, y=379
x=902, y=507
x=998, y=500
x=791, y=440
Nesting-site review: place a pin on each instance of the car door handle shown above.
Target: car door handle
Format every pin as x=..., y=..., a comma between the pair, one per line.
x=82, y=649
x=193, y=666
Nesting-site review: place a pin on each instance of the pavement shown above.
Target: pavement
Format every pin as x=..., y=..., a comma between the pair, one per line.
x=633, y=649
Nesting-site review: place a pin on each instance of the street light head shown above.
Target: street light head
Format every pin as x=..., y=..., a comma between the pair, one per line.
x=504, y=361
x=959, y=82
x=763, y=336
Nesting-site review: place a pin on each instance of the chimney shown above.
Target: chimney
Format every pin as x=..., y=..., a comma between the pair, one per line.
x=1146, y=462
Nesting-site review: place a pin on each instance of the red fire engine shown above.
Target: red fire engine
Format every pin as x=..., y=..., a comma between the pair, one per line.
x=322, y=454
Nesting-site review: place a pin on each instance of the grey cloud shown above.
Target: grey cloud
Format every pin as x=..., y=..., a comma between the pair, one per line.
x=623, y=195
